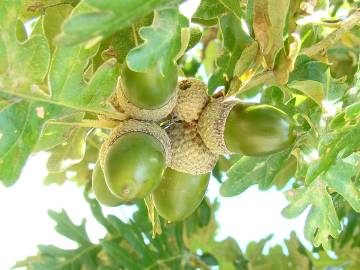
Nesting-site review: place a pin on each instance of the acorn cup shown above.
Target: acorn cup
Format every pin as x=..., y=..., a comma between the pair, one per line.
x=134, y=158
x=229, y=126
x=148, y=96
x=192, y=98
x=189, y=154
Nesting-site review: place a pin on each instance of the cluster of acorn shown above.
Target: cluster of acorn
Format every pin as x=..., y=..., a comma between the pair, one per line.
x=174, y=163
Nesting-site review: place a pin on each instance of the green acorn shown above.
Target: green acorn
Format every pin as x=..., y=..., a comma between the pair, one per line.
x=229, y=126
x=179, y=194
x=134, y=158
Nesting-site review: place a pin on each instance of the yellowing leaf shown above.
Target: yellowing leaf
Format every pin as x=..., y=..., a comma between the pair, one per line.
x=312, y=89
x=268, y=23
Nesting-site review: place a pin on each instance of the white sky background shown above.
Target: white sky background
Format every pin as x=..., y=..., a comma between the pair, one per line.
x=24, y=222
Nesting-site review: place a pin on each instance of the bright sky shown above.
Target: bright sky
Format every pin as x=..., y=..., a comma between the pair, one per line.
x=24, y=222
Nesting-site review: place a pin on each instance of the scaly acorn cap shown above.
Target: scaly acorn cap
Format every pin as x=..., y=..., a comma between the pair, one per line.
x=211, y=125
x=130, y=126
x=192, y=98
x=189, y=154
x=144, y=114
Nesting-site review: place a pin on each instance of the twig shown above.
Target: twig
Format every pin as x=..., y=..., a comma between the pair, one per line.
x=114, y=115
x=134, y=35
x=334, y=36
x=87, y=123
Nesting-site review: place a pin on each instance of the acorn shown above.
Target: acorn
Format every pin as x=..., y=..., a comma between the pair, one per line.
x=134, y=158
x=150, y=95
x=189, y=154
x=228, y=126
x=179, y=194
x=192, y=98
x=101, y=191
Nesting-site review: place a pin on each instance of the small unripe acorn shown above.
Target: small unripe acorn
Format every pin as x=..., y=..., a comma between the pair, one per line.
x=148, y=95
x=189, y=154
x=179, y=194
x=228, y=126
x=134, y=158
x=101, y=190
x=192, y=98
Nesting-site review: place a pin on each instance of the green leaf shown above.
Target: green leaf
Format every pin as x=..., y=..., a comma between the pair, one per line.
x=352, y=112
x=52, y=257
x=254, y=249
x=276, y=259
x=4, y=103
x=286, y=172
x=26, y=119
x=296, y=252
x=79, y=172
x=67, y=228
x=100, y=87
x=162, y=42
x=226, y=252
x=339, y=176
x=250, y=171
x=121, y=255
x=58, y=178
x=20, y=127
x=67, y=84
x=25, y=78
x=233, y=6
x=68, y=153
x=334, y=89
x=55, y=134
x=308, y=69
x=21, y=34
x=337, y=144
x=66, y=72
x=97, y=212
x=27, y=64
x=235, y=40
x=93, y=20
x=211, y=54
x=209, y=9
x=134, y=237
x=322, y=220
x=269, y=17
x=275, y=96
x=196, y=32
x=247, y=58
x=312, y=89
x=125, y=39
x=52, y=21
